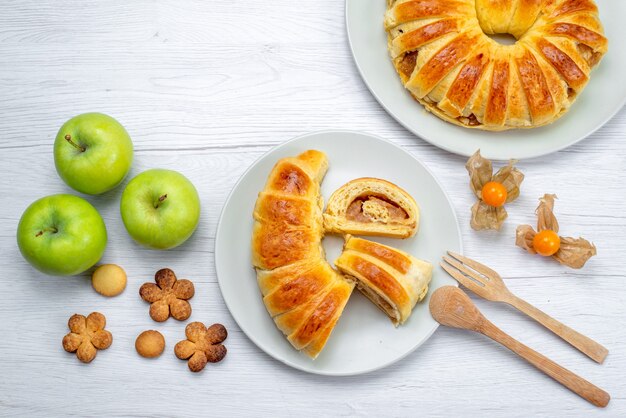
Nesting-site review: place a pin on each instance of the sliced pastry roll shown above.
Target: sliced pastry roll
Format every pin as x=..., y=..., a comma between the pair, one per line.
x=288, y=229
x=305, y=299
x=392, y=279
x=288, y=212
x=370, y=206
x=301, y=291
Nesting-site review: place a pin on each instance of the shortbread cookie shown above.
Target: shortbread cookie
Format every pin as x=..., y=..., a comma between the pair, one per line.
x=109, y=280
x=150, y=344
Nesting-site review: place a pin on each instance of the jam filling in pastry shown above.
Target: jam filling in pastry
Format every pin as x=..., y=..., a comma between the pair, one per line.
x=392, y=279
x=374, y=207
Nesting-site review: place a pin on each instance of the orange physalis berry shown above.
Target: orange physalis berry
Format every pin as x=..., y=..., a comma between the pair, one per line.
x=546, y=242
x=494, y=194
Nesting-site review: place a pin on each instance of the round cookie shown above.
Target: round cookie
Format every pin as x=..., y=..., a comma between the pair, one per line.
x=109, y=280
x=150, y=344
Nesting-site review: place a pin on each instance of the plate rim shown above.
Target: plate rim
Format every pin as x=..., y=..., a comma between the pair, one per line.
x=216, y=257
x=547, y=151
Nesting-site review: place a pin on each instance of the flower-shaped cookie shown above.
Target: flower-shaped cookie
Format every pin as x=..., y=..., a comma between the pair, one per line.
x=492, y=191
x=571, y=252
x=202, y=345
x=168, y=296
x=87, y=336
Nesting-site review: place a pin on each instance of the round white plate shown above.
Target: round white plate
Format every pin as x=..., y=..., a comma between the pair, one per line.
x=364, y=338
x=603, y=97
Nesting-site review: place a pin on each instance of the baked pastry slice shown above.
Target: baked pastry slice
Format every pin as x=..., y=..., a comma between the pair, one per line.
x=305, y=299
x=288, y=212
x=392, y=279
x=370, y=206
x=304, y=295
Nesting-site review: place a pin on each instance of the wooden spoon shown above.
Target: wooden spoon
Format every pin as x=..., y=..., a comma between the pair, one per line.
x=450, y=306
x=488, y=284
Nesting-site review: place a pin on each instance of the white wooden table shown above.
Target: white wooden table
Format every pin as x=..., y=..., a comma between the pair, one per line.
x=206, y=88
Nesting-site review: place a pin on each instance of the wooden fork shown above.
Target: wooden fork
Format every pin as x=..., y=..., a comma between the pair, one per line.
x=488, y=284
x=452, y=307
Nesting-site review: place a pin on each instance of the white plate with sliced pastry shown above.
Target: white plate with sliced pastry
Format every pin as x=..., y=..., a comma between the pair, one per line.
x=283, y=288
x=470, y=87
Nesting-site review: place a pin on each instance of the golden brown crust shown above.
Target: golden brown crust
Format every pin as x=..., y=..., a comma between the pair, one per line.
x=566, y=66
x=269, y=280
x=322, y=315
x=534, y=82
x=394, y=258
x=525, y=15
x=579, y=33
x=420, y=36
x=378, y=278
x=343, y=290
x=392, y=279
x=290, y=321
x=435, y=46
x=443, y=61
x=574, y=6
x=494, y=15
x=498, y=94
x=273, y=208
x=288, y=212
x=290, y=179
x=420, y=9
x=466, y=81
x=315, y=162
x=299, y=287
x=276, y=245
x=314, y=348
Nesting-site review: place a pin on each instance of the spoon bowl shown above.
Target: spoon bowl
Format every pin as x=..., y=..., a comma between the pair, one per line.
x=450, y=306
x=488, y=284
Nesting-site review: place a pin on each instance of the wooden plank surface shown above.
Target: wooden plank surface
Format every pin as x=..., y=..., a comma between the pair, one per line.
x=206, y=88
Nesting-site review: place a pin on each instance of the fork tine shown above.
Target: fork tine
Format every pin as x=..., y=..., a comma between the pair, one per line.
x=464, y=269
x=461, y=278
x=481, y=268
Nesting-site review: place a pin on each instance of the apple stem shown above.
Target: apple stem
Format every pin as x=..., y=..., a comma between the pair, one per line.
x=68, y=138
x=160, y=200
x=50, y=229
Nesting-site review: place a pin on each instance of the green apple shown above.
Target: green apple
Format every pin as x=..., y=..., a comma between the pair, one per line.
x=61, y=235
x=160, y=208
x=92, y=153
